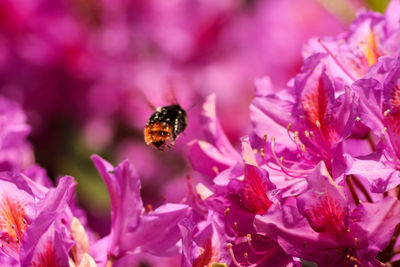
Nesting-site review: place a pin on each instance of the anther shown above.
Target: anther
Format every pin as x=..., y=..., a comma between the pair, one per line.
x=265, y=137
x=262, y=152
x=226, y=212
x=358, y=118
x=386, y=112
x=235, y=225
x=303, y=148
x=289, y=126
x=248, y=236
x=215, y=169
x=306, y=133
x=318, y=124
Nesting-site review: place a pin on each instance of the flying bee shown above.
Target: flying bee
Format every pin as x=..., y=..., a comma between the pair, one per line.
x=164, y=126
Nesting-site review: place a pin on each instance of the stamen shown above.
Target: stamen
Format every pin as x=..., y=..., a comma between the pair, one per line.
x=230, y=251
x=386, y=112
x=248, y=237
x=336, y=60
x=249, y=264
x=278, y=161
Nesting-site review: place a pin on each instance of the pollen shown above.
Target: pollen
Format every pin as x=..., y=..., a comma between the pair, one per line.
x=13, y=219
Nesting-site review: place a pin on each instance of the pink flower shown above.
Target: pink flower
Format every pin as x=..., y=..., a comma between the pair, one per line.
x=33, y=229
x=132, y=230
x=323, y=228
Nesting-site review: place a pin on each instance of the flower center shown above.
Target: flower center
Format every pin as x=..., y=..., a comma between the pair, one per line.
x=253, y=192
x=327, y=216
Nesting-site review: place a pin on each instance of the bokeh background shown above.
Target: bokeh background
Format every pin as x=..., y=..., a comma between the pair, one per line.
x=88, y=74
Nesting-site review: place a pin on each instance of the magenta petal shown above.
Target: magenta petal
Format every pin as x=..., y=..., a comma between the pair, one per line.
x=186, y=226
x=324, y=204
x=213, y=129
x=392, y=16
x=158, y=231
x=123, y=185
x=207, y=159
x=370, y=92
x=271, y=115
x=378, y=220
x=371, y=167
x=45, y=234
x=292, y=232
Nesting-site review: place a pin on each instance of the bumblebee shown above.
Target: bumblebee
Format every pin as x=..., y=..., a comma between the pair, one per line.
x=164, y=126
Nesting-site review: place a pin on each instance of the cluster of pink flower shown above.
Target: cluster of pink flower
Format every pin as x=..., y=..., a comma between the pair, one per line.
x=316, y=181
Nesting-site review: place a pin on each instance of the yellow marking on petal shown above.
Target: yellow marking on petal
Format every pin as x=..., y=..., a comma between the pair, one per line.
x=370, y=48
